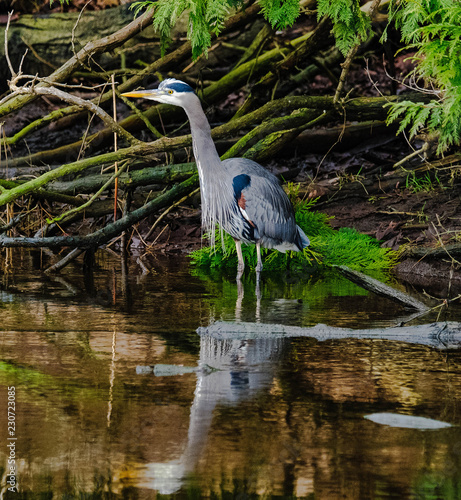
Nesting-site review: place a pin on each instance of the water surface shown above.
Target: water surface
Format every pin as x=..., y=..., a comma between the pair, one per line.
x=257, y=418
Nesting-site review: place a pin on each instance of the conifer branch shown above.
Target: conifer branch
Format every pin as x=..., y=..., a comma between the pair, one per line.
x=350, y=56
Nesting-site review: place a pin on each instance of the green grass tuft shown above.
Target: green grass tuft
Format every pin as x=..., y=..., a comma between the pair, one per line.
x=328, y=248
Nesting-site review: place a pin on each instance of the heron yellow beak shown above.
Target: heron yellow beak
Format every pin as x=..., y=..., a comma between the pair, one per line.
x=142, y=93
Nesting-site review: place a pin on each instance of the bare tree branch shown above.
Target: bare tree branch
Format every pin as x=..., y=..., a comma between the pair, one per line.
x=77, y=101
x=7, y=56
x=90, y=49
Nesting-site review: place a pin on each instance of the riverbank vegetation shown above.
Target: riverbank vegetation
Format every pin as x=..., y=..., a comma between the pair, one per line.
x=355, y=102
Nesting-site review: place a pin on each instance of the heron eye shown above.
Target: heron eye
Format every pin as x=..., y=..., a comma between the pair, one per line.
x=170, y=91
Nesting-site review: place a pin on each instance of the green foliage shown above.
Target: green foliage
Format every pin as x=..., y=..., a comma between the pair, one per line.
x=350, y=24
x=205, y=17
x=208, y=16
x=280, y=13
x=328, y=248
x=433, y=30
x=425, y=183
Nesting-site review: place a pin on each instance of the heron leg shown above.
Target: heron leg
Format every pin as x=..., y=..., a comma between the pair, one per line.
x=241, y=262
x=259, y=265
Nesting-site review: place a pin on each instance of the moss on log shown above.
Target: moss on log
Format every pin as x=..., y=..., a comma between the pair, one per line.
x=143, y=177
x=91, y=49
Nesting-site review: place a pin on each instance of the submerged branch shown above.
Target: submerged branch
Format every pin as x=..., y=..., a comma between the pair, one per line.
x=438, y=335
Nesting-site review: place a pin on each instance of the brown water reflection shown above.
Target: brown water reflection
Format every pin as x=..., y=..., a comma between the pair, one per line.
x=277, y=418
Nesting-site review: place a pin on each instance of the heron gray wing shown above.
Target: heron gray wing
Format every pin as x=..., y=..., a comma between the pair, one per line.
x=269, y=208
x=263, y=202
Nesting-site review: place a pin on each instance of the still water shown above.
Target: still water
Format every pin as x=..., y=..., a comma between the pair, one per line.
x=122, y=391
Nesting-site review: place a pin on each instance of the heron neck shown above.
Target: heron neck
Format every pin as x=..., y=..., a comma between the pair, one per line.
x=205, y=153
x=218, y=203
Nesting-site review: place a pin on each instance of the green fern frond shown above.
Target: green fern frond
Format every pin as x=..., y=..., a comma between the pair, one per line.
x=432, y=28
x=280, y=13
x=350, y=24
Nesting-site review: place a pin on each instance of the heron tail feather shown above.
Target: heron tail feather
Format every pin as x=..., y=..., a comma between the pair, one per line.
x=303, y=240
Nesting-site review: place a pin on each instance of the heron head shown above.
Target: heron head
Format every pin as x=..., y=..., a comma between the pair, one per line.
x=170, y=91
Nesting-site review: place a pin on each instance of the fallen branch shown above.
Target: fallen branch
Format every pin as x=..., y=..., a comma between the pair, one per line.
x=42, y=194
x=163, y=64
x=437, y=335
x=449, y=250
x=85, y=205
x=161, y=145
x=110, y=231
x=300, y=48
x=33, y=89
x=167, y=174
x=361, y=109
x=89, y=50
x=381, y=289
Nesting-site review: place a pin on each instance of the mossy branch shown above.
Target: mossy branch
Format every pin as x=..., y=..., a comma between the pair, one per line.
x=361, y=108
x=163, y=64
x=110, y=231
x=89, y=50
x=77, y=101
x=167, y=174
x=293, y=121
x=91, y=200
x=164, y=144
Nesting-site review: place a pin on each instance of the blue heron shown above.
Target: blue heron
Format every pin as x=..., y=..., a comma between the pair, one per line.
x=238, y=194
